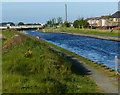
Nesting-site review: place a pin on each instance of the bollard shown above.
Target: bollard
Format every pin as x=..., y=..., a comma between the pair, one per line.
x=117, y=64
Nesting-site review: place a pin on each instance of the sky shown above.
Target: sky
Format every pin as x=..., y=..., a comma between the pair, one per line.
x=60, y=0
x=41, y=12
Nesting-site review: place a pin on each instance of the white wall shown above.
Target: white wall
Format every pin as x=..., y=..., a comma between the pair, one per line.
x=93, y=21
x=104, y=22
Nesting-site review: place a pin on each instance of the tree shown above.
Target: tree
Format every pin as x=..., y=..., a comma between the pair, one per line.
x=53, y=22
x=20, y=23
x=49, y=23
x=80, y=23
x=76, y=24
x=66, y=24
x=59, y=20
x=11, y=23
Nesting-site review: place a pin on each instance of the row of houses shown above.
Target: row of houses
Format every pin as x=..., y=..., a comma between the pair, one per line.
x=104, y=21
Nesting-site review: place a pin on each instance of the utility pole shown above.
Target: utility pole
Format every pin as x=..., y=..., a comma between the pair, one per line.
x=66, y=12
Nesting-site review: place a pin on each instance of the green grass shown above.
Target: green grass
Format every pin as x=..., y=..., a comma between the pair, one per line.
x=87, y=31
x=84, y=60
x=8, y=33
x=44, y=72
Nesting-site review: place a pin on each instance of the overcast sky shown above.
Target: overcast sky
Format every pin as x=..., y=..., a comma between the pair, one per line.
x=40, y=12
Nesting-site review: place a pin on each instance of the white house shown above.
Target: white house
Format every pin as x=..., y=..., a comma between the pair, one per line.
x=109, y=20
x=98, y=21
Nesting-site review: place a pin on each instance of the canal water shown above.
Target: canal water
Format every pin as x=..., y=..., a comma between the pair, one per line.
x=101, y=51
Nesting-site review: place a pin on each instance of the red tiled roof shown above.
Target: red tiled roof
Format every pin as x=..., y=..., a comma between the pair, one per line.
x=97, y=18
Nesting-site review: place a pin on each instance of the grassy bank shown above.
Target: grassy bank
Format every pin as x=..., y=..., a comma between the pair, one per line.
x=108, y=71
x=89, y=31
x=45, y=71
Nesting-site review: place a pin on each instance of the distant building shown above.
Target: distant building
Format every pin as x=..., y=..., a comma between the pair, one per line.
x=116, y=18
x=105, y=21
x=7, y=24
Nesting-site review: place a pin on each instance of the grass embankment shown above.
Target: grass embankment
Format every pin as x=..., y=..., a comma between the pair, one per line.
x=107, y=70
x=9, y=34
x=87, y=31
x=45, y=71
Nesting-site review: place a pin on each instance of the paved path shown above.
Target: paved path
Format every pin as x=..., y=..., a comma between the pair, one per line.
x=105, y=83
x=109, y=85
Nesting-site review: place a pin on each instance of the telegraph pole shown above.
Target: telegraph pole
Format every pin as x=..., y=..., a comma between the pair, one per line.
x=66, y=12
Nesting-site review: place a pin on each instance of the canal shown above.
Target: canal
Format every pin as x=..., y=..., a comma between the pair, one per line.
x=101, y=51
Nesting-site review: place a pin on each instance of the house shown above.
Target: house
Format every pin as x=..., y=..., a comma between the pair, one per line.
x=7, y=24
x=116, y=18
x=99, y=21
x=105, y=21
x=93, y=21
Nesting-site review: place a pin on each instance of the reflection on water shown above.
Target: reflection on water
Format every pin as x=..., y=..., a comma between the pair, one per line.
x=101, y=51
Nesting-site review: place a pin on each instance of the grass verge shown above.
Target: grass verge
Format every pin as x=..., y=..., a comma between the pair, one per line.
x=45, y=71
x=87, y=31
x=108, y=71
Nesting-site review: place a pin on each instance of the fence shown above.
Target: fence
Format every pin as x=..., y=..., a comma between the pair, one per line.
x=117, y=66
